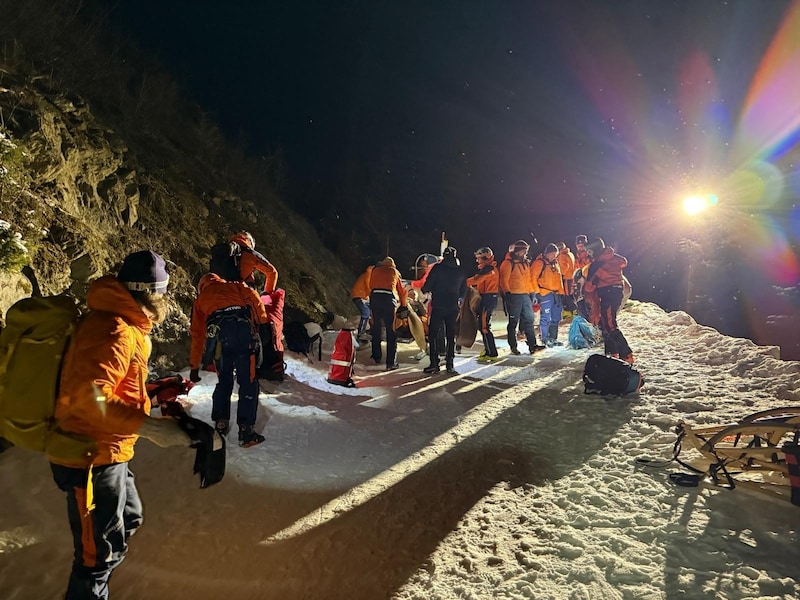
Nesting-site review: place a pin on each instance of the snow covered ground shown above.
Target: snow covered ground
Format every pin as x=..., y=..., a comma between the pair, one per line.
x=504, y=481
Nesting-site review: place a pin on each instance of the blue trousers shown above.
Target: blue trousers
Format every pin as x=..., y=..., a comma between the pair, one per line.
x=550, y=315
x=243, y=366
x=363, y=311
x=101, y=537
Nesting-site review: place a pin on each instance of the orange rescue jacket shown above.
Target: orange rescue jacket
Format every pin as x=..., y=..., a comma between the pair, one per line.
x=215, y=294
x=107, y=357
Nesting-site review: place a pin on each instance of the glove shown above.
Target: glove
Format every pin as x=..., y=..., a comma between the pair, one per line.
x=194, y=375
x=209, y=461
x=537, y=298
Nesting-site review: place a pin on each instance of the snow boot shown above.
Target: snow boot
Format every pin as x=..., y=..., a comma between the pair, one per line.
x=248, y=437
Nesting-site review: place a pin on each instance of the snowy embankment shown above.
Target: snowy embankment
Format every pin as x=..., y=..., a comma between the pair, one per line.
x=504, y=481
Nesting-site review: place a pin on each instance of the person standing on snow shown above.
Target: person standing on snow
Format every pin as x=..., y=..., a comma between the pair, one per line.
x=447, y=285
x=516, y=284
x=252, y=261
x=582, y=258
x=605, y=278
x=102, y=395
x=566, y=262
x=487, y=282
x=359, y=293
x=549, y=288
x=385, y=283
x=226, y=317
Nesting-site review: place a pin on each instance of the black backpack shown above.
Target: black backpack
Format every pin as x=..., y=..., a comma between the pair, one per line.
x=610, y=376
x=298, y=340
x=225, y=260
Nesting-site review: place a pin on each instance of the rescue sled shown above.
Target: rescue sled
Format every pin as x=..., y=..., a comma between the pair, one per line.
x=758, y=453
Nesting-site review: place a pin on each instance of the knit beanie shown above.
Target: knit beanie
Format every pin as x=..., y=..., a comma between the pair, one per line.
x=144, y=271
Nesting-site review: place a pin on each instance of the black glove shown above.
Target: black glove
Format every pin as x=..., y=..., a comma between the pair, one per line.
x=194, y=375
x=537, y=298
x=209, y=461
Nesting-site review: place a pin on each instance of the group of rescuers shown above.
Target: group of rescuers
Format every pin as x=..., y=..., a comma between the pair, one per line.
x=588, y=282
x=109, y=352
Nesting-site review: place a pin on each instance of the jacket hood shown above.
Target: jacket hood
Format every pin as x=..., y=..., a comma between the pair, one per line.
x=389, y=261
x=108, y=294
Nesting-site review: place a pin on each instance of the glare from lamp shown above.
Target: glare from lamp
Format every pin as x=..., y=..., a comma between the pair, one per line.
x=696, y=204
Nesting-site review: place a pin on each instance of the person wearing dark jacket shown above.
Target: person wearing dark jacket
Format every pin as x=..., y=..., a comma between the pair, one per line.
x=605, y=278
x=446, y=284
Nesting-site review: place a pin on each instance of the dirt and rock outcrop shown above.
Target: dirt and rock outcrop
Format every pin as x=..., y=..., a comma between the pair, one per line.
x=87, y=178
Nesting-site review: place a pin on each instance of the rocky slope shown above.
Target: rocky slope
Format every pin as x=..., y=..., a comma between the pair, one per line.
x=95, y=166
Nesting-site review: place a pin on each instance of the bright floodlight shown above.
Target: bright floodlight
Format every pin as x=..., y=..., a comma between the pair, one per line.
x=696, y=204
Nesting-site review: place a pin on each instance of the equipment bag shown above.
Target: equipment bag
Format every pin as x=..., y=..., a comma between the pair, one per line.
x=610, y=376
x=343, y=359
x=298, y=340
x=582, y=334
x=225, y=260
x=272, y=366
x=32, y=348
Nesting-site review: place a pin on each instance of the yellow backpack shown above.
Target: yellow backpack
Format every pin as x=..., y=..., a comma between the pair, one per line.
x=32, y=347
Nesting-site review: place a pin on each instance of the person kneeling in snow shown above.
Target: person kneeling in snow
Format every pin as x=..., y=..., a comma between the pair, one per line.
x=226, y=317
x=103, y=396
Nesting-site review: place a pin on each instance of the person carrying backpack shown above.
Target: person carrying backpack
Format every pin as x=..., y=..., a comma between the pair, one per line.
x=103, y=396
x=359, y=293
x=226, y=317
x=604, y=277
x=384, y=284
x=516, y=283
x=549, y=288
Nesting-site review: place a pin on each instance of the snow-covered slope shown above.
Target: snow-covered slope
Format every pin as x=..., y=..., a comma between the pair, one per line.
x=504, y=481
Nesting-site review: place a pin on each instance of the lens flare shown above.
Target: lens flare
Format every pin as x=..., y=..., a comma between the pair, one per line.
x=694, y=205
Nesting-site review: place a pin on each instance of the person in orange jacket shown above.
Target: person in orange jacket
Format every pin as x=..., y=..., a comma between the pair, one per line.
x=386, y=289
x=548, y=287
x=102, y=395
x=605, y=278
x=582, y=257
x=487, y=282
x=226, y=317
x=516, y=283
x=566, y=262
x=252, y=261
x=359, y=293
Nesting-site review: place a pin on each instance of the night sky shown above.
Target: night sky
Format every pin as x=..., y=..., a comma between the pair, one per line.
x=491, y=120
